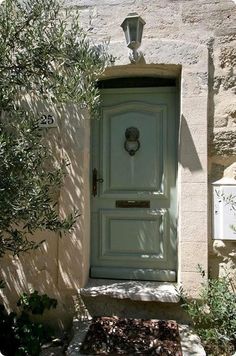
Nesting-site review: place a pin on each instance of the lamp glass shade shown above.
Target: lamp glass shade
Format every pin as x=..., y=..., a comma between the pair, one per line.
x=133, y=29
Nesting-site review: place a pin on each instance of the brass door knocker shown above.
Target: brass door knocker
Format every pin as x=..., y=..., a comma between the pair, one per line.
x=132, y=144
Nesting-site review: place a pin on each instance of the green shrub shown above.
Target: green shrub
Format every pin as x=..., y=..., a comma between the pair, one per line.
x=45, y=56
x=214, y=315
x=18, y=334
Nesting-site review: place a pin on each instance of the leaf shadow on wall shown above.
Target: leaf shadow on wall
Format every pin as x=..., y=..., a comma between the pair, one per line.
x=189, y=157
x=58, y=266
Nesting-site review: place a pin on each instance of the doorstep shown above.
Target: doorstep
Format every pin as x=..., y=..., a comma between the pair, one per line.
x=134, y=290
x=190, y=342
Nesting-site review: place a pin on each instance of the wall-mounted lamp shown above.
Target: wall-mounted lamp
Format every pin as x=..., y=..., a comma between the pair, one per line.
x=133, y=29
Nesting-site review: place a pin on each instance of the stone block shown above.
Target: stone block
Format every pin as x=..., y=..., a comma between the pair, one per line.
x=193, y=189
x=193, y=139
x=192, y=282
x=193, y=197
x=225, y=83
x=166, y=20
x=193, y=168
x=193, y=226
x=220, y=120
x=225, y=104
x=194, y=110
x=212, y=15
x=195, y=203
x=133, y=290
x=192, y=254
x=190, y=342
x=175, y=52
x=224, y=143
x=195, y=84
x=227, y=56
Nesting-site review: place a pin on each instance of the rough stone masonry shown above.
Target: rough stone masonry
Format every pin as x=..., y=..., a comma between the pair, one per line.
x=204, y=22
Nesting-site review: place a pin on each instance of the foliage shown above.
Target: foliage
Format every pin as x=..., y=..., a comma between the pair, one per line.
x=35, y=303
x=44, y=55
x=214, y=315
x=27, y=186
x=45, y=52
x=18, y=334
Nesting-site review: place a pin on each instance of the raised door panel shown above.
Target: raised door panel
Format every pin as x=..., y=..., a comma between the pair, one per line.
x=134, y=237
x=145, y=171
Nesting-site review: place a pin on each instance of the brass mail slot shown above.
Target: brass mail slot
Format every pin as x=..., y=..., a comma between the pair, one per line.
x=132, y=204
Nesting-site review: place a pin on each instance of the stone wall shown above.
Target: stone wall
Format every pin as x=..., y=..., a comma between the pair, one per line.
x=203, y=22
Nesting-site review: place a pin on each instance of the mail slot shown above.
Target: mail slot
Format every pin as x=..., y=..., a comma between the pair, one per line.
x=132, y=204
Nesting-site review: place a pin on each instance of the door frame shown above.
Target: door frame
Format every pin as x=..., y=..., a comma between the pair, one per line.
x=189, y=62
x=174, y=89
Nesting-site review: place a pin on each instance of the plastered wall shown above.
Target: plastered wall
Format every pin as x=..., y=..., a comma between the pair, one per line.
x=56, y=267
x=196, y=42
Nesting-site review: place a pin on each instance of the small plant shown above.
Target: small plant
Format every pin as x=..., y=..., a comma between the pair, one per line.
x=18, y=334
x=214, y=315
x=35, y=303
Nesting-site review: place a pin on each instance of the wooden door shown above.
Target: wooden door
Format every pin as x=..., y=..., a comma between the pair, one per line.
x=134, y=160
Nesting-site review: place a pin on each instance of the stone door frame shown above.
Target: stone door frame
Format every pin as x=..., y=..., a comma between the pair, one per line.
x=189, y=63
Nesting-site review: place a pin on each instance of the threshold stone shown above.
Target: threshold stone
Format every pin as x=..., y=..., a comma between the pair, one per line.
x=134, y=290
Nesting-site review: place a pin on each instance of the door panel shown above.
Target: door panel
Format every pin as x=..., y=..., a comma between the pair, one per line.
x=133, y=241
x=136, y=235
x=132, y=177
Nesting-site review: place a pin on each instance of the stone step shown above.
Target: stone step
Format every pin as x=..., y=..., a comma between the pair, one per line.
x=133, y=290
x=133, y=299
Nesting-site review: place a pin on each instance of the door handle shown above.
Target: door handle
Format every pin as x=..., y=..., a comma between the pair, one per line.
x=95, y=181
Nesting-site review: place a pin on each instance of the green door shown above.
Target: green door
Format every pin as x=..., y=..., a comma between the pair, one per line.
x=134, y=160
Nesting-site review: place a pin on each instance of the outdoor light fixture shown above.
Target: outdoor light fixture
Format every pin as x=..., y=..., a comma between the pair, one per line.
x=133, y=29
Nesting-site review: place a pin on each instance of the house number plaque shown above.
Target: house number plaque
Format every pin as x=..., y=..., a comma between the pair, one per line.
x=47, y=121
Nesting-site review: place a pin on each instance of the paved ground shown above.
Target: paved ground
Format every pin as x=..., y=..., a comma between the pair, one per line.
x=190, y=342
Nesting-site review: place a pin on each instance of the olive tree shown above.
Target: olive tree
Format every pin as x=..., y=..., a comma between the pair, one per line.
x=44, y=54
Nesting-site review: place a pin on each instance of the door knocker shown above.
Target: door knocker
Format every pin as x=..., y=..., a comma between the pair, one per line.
x=132, y=144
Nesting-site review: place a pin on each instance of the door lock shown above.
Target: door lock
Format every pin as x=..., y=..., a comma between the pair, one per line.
x=95, y=181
